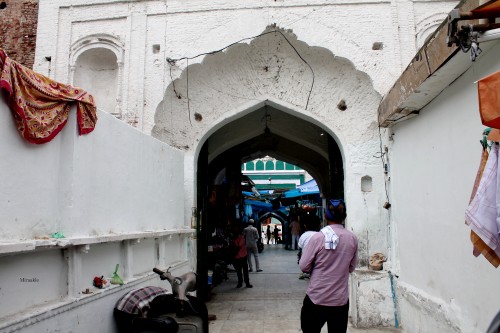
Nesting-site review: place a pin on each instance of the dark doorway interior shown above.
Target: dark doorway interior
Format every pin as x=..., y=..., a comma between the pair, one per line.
x=264, y=132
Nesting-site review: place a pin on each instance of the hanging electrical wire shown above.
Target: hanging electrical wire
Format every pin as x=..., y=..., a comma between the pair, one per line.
x=467, y=40
x=383, y=159
x=187, y=91
x=402, y=117
x=172, y=63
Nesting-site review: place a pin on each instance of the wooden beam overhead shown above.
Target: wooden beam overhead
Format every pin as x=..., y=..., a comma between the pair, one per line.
x=426, y=75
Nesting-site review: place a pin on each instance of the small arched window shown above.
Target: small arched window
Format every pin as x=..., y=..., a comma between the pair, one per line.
x=269, y=165
x=96, y=64
x=366, y=184
x=96, y=71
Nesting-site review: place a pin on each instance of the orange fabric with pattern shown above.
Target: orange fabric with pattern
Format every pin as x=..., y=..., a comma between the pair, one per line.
x=41, y=105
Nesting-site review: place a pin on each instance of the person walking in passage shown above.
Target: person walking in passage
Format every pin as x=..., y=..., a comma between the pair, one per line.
x=295, y=231
x=311, y=226
x=240, y=259
x=330, y=256
x=268, y=233
x=276, y=234
x=251, y=237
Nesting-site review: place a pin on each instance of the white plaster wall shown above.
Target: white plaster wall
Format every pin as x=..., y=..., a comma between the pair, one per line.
x=26, y=282
x=365, y=214
x=134, y=180
x=113, y=180
x=370, y=301
x=188, y=28
x=29, y=180
x=434, y=159
x=88, y=313
x=97, y=189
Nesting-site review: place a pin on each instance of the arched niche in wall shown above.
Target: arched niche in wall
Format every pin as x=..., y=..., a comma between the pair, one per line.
x=366, y=184
x=96, y=65
x=426, y=28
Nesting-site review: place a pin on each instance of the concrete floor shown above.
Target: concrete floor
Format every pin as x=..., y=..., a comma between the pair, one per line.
x=274, y=302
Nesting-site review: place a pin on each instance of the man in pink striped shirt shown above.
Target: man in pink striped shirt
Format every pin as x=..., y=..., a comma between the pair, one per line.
x=330, y=256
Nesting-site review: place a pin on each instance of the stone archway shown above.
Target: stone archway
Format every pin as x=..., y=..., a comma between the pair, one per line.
x=216, y=110
x=270, y=131
x=274, y=66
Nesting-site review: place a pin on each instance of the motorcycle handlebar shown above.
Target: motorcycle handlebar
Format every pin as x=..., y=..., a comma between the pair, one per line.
x=158, y=271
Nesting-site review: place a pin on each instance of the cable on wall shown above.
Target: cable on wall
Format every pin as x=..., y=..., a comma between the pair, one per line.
x=187, y=91
x=382, y=156
x=172, y=63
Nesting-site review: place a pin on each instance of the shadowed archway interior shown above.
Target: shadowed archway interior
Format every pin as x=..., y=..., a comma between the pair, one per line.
x=267, y=131
x=271, y=132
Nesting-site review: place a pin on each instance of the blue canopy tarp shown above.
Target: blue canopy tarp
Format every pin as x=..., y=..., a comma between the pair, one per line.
x=259, y=205
x=310, y=187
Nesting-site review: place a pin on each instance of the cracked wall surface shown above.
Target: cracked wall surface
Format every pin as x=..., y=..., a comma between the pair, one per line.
x=268, y=66
x=372, y=299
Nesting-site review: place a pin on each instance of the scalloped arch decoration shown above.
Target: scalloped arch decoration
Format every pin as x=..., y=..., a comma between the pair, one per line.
x=425, y=27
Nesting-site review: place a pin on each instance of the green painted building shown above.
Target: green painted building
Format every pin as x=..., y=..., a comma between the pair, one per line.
x=270, y=174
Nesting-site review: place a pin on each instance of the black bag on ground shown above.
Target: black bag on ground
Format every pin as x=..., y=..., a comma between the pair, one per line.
x=260, y=246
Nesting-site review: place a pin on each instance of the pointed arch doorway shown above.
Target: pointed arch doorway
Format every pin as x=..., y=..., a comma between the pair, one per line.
x=269, y=130
x=216, y=112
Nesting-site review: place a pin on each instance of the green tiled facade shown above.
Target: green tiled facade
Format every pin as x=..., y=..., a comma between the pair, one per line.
x=272, y=174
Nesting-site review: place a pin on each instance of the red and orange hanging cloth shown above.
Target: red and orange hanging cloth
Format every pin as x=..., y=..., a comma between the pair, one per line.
x=488, y=89
x=41, y=105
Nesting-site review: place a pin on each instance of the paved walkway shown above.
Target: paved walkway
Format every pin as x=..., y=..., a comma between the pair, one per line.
x=272, y=305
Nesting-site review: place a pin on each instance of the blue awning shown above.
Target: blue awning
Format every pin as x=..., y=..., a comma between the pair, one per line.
x=259, y=205
x=298, y=193
x=292, y=193
x=310, y=186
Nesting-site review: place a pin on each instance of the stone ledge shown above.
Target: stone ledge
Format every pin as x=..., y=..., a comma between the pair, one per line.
x=8, y=248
